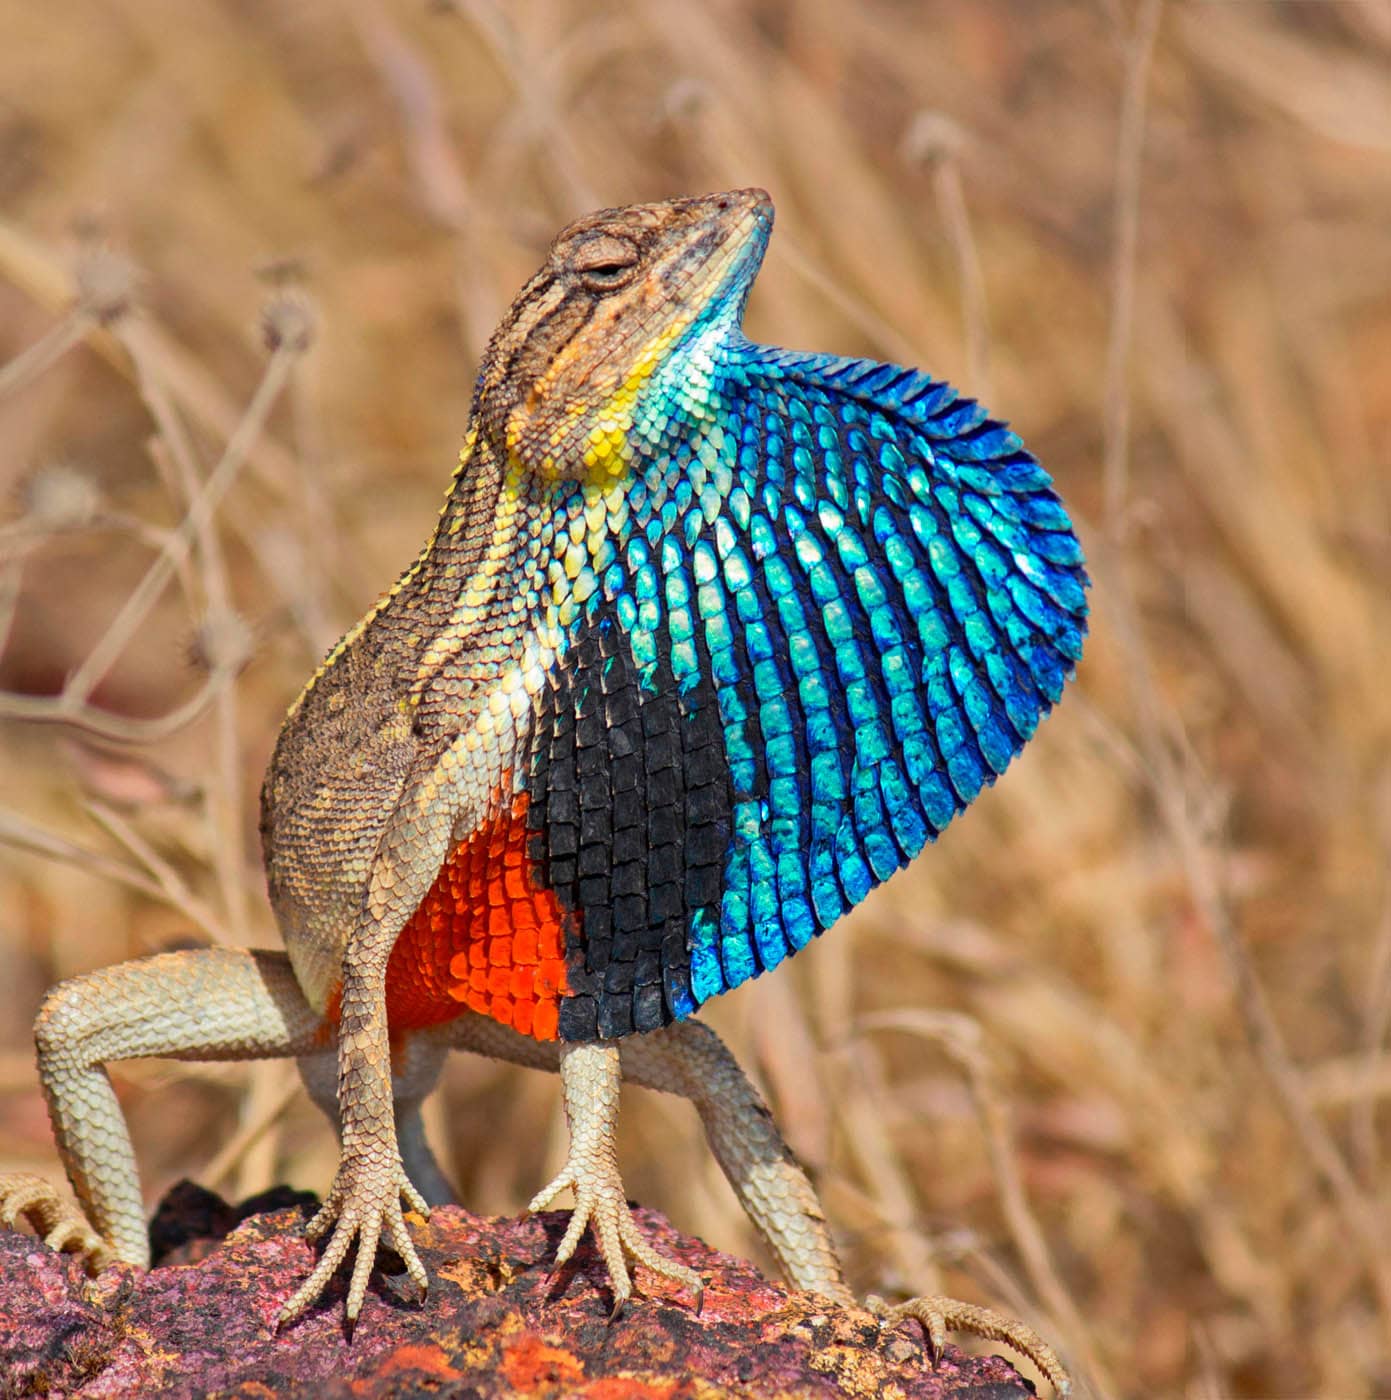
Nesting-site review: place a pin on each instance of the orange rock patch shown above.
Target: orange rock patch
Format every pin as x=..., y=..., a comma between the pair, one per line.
x=531, y=1367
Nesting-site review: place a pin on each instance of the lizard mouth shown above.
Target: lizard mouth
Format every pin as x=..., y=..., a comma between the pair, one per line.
x=755, y=200
x=738, y=221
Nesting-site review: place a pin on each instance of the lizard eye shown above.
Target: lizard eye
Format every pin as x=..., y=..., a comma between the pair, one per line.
x=607, y=274
x=605, y=263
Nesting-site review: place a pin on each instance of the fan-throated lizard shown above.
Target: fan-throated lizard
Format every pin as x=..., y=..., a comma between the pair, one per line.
x=710, y=639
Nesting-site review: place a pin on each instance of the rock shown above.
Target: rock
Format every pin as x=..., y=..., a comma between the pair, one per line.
x=495, y=1324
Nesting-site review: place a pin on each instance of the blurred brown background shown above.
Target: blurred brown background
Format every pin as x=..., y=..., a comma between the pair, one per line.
x=1111, y=1054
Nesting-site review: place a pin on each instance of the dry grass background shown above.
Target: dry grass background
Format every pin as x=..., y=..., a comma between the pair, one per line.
x=1113, y=1053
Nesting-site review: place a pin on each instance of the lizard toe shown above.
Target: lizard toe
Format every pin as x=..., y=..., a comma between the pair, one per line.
x=63, y=1227
x=938, y=1315
x=363, y=1205
x=601, y=1205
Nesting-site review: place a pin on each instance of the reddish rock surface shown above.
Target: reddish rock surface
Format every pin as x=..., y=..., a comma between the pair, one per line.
x=495, y=1323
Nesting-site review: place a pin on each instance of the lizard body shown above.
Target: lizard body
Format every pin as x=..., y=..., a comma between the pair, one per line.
x=710, y=638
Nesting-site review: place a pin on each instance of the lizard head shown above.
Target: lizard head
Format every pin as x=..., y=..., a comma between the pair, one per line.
x=625, y=309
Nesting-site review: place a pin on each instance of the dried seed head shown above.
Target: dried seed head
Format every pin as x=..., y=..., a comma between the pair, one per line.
x=932, y=136
x=224, y=641
x=59, y=497
x=288, y=321
x=683, y=102
x=108, y=284
x=285, y=271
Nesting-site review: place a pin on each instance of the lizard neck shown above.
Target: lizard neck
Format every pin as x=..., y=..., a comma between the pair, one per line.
x=476, y=598
x=525, y=552
x=490, y=505
x=464, y=530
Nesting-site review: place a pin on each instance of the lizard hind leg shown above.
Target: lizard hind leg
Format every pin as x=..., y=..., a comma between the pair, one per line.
x=690, y=1060
x=590, y=1076
x=205, y=1004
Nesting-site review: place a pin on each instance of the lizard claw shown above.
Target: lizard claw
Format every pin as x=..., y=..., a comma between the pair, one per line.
x=364, y=1204
x=938, y=1315
x=26, y=1196
x=600, y=1201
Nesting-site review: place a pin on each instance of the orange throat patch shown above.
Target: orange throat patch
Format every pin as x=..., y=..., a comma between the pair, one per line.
x=486, y=938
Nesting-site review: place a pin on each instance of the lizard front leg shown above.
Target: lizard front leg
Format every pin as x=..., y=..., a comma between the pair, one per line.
x=208, y=1004
x=365, y=1200
x=590, y=1078
x=416, y=1064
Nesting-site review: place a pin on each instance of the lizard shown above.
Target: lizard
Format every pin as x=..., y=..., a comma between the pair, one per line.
x=710, y=638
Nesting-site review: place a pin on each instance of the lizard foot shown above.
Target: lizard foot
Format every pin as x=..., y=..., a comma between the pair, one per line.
x=61, y=1224
x=364, y=1204
x=938, y=1315
x=590, y=1077
x=600, y=1201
